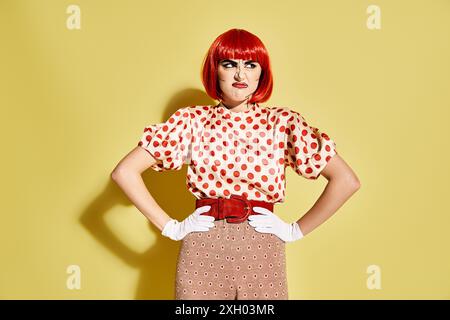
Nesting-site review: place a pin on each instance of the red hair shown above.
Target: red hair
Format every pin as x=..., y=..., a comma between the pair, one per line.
x=237, y=44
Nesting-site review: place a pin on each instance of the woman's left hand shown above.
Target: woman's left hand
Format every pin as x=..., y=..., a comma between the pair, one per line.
x=268, y=222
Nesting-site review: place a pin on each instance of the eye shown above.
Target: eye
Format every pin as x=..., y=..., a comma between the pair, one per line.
x=226, y=64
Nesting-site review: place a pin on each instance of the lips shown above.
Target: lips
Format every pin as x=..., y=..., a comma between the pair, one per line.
x=240, y=85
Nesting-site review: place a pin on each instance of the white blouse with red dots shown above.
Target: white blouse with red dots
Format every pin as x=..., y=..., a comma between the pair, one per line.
x=244, y=153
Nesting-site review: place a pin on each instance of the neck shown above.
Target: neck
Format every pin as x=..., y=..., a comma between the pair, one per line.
x=236, y=106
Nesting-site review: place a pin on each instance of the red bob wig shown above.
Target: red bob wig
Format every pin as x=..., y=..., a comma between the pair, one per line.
x=237, y=44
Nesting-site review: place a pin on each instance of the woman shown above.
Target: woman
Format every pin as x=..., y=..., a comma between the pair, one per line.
x=233, y=244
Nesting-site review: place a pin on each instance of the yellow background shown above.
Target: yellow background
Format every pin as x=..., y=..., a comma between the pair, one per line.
x=74, y=102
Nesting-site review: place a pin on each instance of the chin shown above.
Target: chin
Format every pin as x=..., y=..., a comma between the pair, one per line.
x=240, y=97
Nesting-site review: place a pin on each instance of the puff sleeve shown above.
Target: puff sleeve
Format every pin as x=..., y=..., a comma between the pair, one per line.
x=308, y=150
x=169, y=142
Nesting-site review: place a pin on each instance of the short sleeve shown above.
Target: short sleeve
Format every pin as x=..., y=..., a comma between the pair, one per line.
x=169, y=142
x=308, y=150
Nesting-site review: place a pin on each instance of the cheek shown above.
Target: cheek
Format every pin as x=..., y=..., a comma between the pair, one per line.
x=224, y=75
x=255, y=79
x=255, y=76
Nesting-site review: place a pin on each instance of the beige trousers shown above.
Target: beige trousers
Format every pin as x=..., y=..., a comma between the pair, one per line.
x=231, y=261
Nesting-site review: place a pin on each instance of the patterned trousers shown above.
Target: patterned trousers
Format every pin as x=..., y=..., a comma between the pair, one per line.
x=231, y=261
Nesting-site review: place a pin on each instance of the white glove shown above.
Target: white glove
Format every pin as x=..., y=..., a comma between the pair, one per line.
x=176, y=230
x=269, y=222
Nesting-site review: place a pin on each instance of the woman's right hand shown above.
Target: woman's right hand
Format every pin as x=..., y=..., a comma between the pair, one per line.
x=176, y=230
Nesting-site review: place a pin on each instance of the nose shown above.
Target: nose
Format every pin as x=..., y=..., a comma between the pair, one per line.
x=240, y=73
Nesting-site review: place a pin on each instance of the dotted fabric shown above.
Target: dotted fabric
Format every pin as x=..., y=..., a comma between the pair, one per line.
x=243, y=153
x=231, y=261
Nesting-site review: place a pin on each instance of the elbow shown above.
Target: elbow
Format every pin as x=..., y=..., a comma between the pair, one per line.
x=117, y=173
x=350, y=182
x=355, y=183
x=114, y=175
x=122, y=172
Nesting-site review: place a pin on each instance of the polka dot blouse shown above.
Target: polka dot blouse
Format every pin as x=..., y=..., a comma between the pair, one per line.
x=243, y=153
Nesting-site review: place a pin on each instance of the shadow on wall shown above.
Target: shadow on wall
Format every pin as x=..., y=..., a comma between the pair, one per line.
x=157, y=265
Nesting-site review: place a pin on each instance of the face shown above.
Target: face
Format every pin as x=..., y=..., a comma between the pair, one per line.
x=231, y=71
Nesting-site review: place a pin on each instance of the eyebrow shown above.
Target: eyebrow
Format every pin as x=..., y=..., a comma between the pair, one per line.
x=232, y=61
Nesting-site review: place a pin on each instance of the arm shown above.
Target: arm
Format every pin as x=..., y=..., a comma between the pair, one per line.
x=342, y=183
x=127, y=175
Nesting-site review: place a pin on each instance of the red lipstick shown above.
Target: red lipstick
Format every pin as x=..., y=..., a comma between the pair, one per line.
x=240, y=85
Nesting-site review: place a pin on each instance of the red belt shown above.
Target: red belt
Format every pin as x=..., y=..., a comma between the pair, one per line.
x=234, y=210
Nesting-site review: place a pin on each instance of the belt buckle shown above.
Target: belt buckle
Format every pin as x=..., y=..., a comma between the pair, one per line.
x=248, y=207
